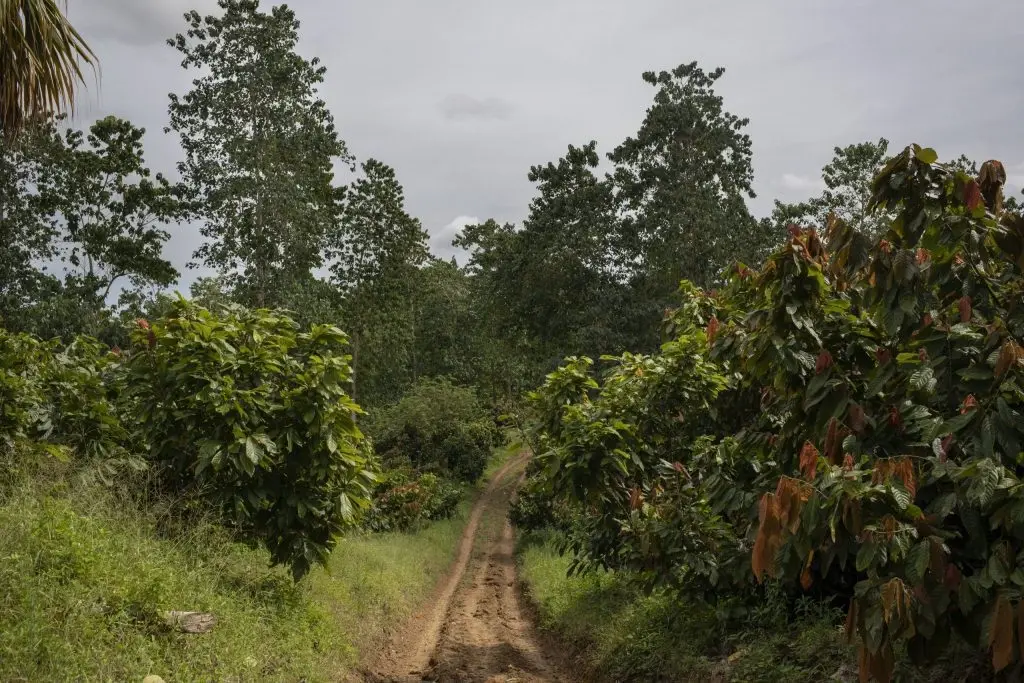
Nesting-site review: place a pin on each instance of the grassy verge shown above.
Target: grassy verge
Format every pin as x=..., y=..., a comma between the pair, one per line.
x=85, y=578
x=617, y=633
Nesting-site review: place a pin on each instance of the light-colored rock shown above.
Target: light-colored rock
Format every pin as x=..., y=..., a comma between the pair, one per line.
x=152, y=678
x=190, y=622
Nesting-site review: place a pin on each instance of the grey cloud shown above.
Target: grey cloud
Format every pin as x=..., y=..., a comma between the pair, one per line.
x=467, y=108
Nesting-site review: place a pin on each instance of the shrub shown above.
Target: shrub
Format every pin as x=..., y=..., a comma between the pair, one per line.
x=402, y=503
x=438, y=427
x=56, y=397
x=849, y=420
x=254, y=414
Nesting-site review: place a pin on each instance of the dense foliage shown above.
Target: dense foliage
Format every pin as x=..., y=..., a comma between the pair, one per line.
x=436, y=427
x=402, y=502
x=254, y=413
x=846, y=419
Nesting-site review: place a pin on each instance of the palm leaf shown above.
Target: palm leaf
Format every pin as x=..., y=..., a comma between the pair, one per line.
x=40, y=62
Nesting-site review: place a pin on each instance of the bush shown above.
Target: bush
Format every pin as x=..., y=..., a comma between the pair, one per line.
x=56, y=398
x=848, y=420
x=253, y=414
x=402, y=503
x=436, y=427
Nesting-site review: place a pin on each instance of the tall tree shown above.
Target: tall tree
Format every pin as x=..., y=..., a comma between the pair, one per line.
x=103, y=214
x=26, y=227
x=682, y=182
x=847, y=193
x=40, y=56
x=375, y=250
x=447, y=329
x=555, y=279
x=260, y=147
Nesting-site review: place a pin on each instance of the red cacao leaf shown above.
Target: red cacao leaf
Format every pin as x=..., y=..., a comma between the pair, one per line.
x=806, y=580
x=856, y=417
x=833, y=445
x=823, y=363
x=1001, y=634
x=965, y=309
x=809, y=460
x=972, y=195
x=712, y=328
x=947, y=444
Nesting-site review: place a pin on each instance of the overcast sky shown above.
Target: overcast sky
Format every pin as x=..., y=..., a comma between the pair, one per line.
x=462, y=96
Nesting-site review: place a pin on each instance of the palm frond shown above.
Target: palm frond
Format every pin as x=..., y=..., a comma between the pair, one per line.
x=41, y=57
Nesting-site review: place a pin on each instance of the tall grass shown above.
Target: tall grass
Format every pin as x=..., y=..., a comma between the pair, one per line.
x=86, y=574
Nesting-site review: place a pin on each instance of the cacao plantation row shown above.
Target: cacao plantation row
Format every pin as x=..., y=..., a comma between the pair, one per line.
x=846, y=420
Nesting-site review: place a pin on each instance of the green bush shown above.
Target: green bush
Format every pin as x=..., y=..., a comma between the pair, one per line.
x=56, y=399
x=403, y=503
x=849, y=420
x=438, y=427
x=254, y=415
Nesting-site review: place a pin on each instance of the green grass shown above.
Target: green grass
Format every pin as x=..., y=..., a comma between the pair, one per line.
x=619, y=634
x=85, y=576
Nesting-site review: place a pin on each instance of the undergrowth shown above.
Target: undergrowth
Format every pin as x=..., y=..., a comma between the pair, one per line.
x=85, y=576
x=617, y=633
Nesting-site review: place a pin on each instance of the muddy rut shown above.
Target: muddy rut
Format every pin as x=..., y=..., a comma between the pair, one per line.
x=476, y=628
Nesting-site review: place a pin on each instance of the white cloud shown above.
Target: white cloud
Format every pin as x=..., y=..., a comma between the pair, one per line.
x=441, y=240
x=792, y=181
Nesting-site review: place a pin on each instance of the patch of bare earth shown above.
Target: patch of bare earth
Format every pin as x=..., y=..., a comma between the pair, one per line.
x=476, y=629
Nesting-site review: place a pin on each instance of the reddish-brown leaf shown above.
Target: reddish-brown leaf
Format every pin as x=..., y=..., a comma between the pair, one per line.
x=636, y=498
x=856, y=417
x=947, y=444
x=833, y=444
x=972, y=195
x=848, y=462
x=970, y=403
x=952, y=578
x=850, y=627
x=1008, y=355
x=712, y=327
x=921, y=256
x=926, y=320
x=823, y=363
x=863, y=665
x=922, y=354
x=809, y=460
x=806, y=580
x=882, y=355
x=895, y=419
x=885, y=246
x=142, y=322
x=906, y=474
x=1001, y=634
x=769, y=535
x=965, y=309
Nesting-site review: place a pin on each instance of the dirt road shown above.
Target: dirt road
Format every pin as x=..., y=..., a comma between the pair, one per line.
x=476, y=629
